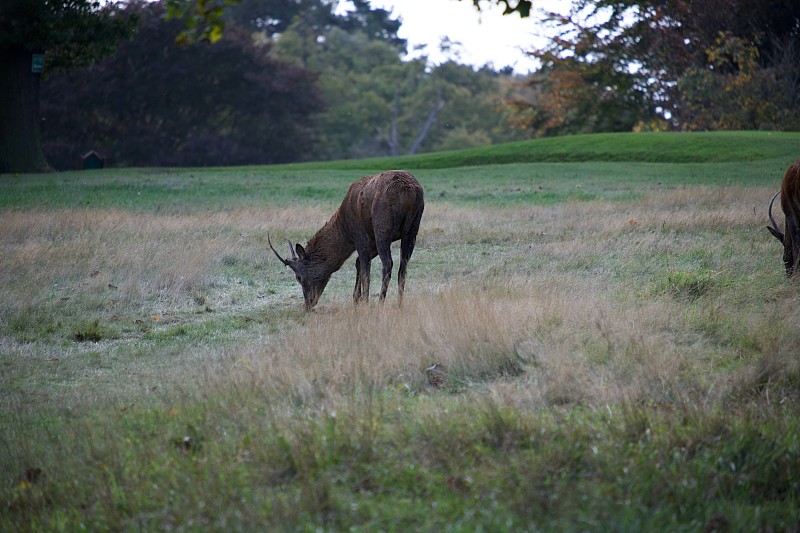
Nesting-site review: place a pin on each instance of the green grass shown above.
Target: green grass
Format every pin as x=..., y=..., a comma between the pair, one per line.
x=197, y=190
x=461, y=467
x=593, y=172
x=616, y=335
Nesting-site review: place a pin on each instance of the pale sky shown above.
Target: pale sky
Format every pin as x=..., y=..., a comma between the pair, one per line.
x=486, y=36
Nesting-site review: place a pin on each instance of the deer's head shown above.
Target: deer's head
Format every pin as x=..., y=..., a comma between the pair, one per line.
x=309, y=273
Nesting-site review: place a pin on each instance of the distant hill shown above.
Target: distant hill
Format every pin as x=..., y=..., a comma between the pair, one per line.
x=697, y=147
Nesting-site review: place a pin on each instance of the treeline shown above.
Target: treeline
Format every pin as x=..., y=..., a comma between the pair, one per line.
x=291, y=80
x=288, y=81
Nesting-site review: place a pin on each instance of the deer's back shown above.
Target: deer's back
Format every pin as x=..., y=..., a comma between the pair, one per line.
x=388, y=194
x=790, y=190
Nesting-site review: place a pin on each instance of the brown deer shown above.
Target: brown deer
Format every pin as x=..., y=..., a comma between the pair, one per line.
x=376, y=211
x=790, y=203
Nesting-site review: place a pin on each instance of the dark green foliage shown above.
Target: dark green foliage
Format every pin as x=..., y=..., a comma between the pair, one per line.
x=70, y=33
x=376, y=23
x=92, y=331
x=157, y=103
x=274, y=16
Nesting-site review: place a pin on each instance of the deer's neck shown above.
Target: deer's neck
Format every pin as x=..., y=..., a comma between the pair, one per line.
x=331, y=246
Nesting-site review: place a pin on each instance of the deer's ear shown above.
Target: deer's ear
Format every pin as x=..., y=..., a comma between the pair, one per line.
x=301, y=253
x=778, y=235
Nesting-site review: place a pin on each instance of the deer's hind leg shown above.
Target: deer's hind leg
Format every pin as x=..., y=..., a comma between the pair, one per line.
x=385, y=253
x=384, y=233
x=407, y=243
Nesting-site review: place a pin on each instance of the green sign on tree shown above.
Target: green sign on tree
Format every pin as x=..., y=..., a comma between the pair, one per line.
x=37, y=63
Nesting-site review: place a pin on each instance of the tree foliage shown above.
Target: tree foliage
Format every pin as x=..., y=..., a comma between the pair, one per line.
x=70, y=32
x=735, y=92
x=252, y=96
x=687, y=64
x=203, y=19
x=273, y=17
x=159, y=103
x=381, y=104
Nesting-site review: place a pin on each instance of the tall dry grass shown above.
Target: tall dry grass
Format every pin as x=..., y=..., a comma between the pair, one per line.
x=144, y=256
x=677, y=297
x=528, y=343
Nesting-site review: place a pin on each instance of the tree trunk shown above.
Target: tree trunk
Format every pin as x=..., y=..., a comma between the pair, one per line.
x=20, y=145
x=394, y=141
x=426, y=127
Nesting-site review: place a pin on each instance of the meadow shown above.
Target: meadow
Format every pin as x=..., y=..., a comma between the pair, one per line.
x=617, y=339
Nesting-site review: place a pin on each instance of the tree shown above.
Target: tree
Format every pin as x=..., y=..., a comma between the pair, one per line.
x=359, y=78
x=663, y=55
x=745, y=60
x=156, y=102
x=205, y=18
x=736, y=93
x=570, y=95
x=379, y=104
x=273, y=17
x=592, y=78
x=472, y=114
x=64, y=33
x=377, y=24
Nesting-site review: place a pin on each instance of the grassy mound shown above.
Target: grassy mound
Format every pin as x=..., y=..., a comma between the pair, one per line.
x=700, y=147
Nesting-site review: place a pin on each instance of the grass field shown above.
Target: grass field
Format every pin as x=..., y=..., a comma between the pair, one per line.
x=618, y=341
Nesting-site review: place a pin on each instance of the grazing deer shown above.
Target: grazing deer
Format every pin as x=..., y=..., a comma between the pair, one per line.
x=376, y=211
x=790, y=203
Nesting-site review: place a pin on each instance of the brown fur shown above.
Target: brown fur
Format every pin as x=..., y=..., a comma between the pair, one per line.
x=790, y=203
x=376, y=211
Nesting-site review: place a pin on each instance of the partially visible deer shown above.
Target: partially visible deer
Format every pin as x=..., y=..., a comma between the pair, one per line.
x=376, y=211
x=790, y=203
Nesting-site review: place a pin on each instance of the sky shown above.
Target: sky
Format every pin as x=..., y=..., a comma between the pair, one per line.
x=486, y=36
